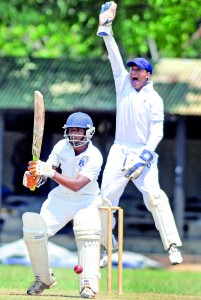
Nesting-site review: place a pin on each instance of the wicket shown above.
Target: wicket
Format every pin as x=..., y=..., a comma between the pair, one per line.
x=110, y=211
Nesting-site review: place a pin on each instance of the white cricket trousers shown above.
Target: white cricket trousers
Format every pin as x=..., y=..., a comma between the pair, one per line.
x=114, y=181
x=60, y=208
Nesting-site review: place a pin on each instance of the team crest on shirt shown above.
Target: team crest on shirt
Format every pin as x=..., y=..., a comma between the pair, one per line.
x=82, y=162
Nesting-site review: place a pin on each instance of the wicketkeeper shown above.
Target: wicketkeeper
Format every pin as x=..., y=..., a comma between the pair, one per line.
x=77, y=198
x=139, y=129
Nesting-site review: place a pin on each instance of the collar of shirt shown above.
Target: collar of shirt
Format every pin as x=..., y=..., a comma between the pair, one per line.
x=148, y=87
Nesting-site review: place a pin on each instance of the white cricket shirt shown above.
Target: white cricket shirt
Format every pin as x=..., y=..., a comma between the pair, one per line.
x=87, y=164
x=139, y=115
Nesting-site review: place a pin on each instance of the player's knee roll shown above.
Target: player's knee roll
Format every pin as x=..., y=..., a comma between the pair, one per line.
x=87, y=223
x=106, y=202
x=156, y=199
x=34, y=226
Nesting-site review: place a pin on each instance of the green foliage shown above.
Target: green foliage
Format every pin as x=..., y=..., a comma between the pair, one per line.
x=67, y=28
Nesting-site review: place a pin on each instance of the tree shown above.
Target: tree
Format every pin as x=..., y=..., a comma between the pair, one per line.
x=67, y=28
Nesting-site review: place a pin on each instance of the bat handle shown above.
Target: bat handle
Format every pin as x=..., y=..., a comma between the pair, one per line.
x=35, y=159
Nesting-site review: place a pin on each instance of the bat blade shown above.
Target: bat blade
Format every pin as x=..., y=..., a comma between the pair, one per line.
x=38, y=128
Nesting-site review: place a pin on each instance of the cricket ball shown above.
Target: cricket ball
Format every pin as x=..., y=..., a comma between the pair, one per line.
x=78, y=269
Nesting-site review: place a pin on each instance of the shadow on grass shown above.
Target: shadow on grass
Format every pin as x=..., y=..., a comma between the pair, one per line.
x=9, y=294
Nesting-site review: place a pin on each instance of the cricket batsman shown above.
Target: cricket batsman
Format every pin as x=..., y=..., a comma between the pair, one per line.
x=77, y=198
x=139, y=129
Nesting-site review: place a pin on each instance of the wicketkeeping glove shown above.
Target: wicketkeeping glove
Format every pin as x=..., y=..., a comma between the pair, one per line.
x=106, y=16
x=41, y=168
x=133, y=165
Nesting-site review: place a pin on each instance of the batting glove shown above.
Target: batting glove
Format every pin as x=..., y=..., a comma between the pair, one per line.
x=30, y=181
x=106, y=16
x=133, y=166
x=41, y=168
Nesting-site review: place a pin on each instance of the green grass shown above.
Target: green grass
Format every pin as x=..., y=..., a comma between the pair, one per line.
x=138, y=284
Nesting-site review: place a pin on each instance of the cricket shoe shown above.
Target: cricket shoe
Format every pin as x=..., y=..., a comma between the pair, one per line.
x=103, y=253
x=38, y=286
x=87, y=292
x=175, y=256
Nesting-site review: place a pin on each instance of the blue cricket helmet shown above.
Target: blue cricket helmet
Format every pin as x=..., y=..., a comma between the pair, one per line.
x=79, y=120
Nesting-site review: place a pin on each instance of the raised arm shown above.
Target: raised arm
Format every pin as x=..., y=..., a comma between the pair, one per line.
x=106, y=17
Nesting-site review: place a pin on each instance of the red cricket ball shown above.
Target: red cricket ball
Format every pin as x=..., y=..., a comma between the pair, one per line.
x=78, y=269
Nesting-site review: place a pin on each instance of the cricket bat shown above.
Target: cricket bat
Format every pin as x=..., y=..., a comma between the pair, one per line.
x=38, y=127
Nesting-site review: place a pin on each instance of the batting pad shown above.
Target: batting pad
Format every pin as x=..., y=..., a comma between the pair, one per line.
x=104, y=222
x=159, y=206
x=35, y=237
x=87, y=234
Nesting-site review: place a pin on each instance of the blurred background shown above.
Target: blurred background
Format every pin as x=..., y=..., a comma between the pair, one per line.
x=52, y=46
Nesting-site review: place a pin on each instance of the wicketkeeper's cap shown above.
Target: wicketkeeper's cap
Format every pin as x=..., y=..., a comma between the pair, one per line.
x=141, y=63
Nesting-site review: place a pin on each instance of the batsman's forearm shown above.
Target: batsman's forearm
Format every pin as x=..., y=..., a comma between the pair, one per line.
x=74, y=184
